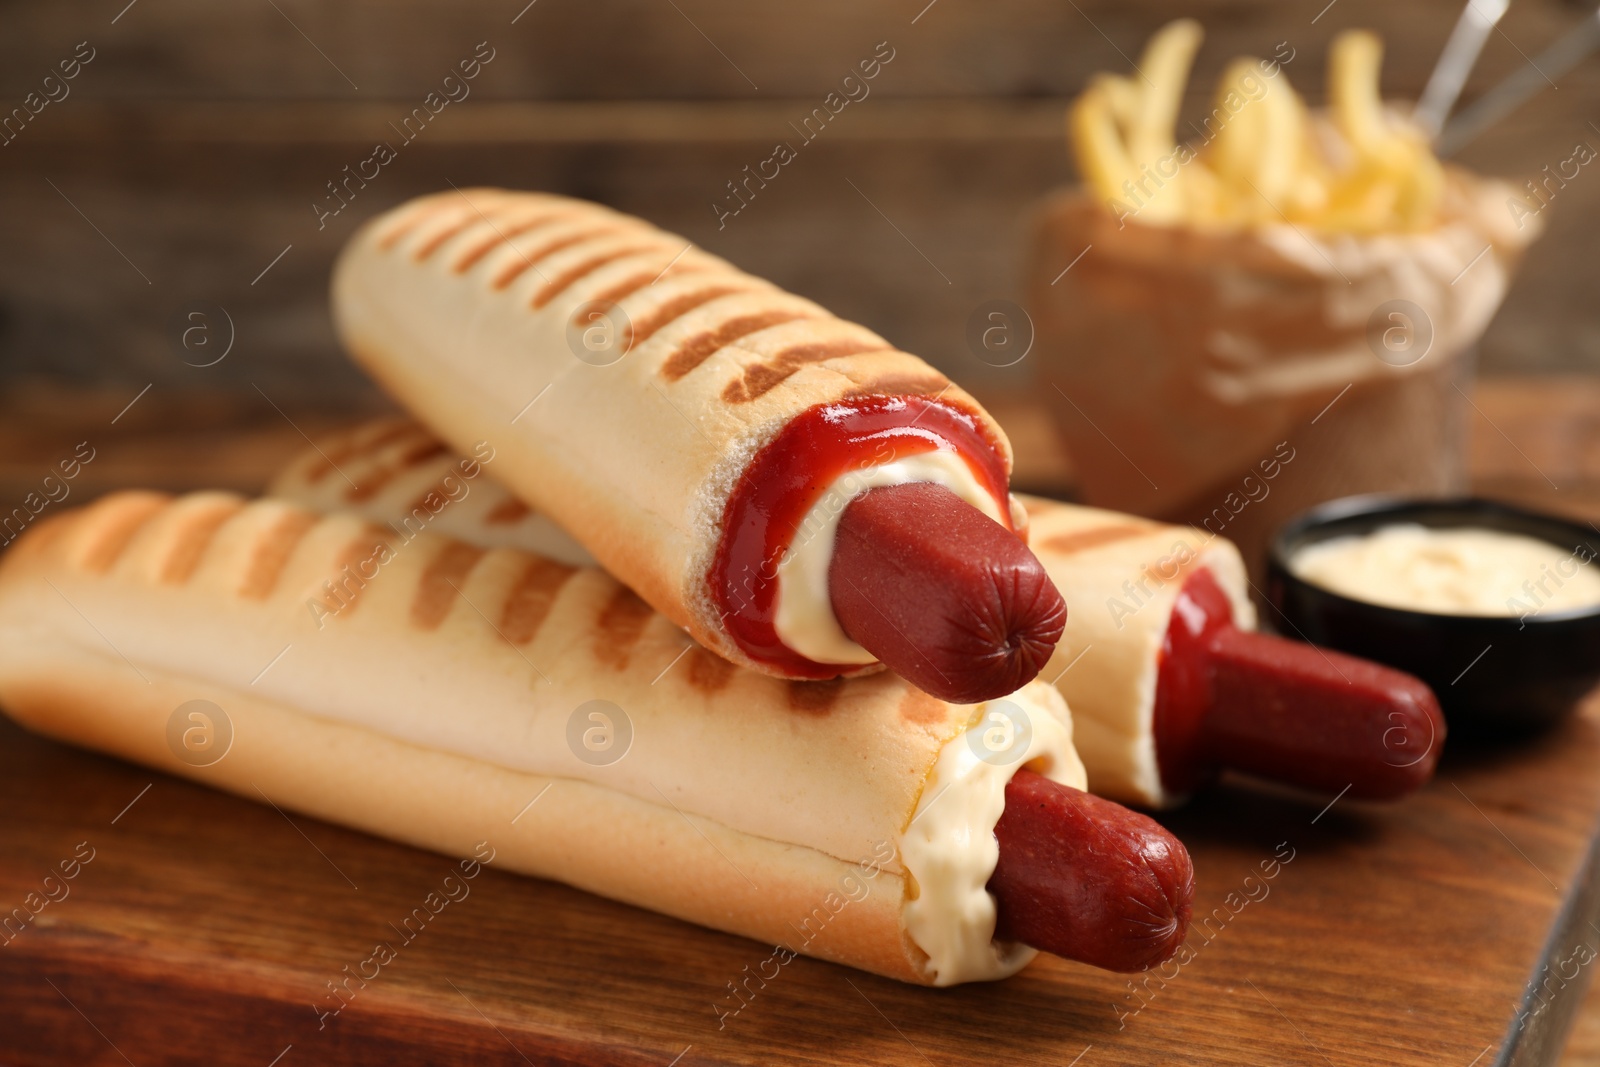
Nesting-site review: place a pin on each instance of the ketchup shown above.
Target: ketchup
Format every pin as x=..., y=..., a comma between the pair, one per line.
x=793, y=471
x=1284, y=710
x=1184, y=685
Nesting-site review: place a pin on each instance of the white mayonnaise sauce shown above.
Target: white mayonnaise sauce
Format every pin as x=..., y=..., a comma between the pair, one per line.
x=804, y=617
x=1458, y=571
x=949, y=849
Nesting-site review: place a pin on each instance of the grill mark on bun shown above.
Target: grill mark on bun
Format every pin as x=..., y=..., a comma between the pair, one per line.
x=431, y=245
x=814, y=698
x=423, y=211
x=372, y=482
x=272, y=551
x=420, y=453
x=440, y=583
x=502, y=236
x=354, y=569
x=354, y=444
x=695, y=350
x=43, y=533
x=529, y=260
x=709, y=672
x=622, y=623
x=572, y=275
x=920, y=708
x=627, y=287
x=436, y=491
x=530, y=599
x=115, y=522
x=191, y=539
x=643, y=279
x=1075, y=541
x=761, y=378
x=508, y=511
x=678, y=307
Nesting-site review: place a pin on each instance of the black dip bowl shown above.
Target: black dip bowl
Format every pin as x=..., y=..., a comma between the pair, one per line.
x=1493, y=675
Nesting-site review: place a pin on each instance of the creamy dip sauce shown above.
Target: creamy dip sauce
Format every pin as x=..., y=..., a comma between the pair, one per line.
x=1461, y=571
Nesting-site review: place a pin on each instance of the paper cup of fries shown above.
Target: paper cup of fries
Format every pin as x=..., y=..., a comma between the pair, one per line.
x=1278, y=311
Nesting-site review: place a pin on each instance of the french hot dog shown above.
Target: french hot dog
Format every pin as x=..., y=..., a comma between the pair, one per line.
x=432, y=691
x=1169, y=684
x=1157, y=714
x=699, y=431
x=1316, y=718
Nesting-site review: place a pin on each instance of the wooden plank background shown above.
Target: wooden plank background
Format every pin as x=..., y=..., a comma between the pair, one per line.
x=190, y=150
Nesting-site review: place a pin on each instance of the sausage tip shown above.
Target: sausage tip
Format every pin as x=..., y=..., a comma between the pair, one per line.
x=943, y=595
x=1087, y=879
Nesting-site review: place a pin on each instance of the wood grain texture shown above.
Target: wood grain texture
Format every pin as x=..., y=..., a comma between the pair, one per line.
x=625, y=49
x=199, y=137
x=1583, y=1042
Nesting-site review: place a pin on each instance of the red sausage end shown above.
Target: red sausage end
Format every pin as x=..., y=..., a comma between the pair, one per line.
x=1285, y=710
x=1319, y=718
x=1087, y=879
x=944, y=596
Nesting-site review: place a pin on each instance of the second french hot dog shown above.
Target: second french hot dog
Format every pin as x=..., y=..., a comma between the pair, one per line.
x=1274, y=708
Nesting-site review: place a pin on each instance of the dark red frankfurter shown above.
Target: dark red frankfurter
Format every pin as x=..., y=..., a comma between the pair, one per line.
x=1087, y=879
x=1284, y=710
x=923, y=580
x=946, y=597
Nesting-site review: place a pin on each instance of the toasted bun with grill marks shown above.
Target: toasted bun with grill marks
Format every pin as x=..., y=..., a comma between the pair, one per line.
x=426, y=690
x=1121, y=575
x=467, y=307
x=394, y=471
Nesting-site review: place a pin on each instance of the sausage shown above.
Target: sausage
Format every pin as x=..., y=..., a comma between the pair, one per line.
x=1321, y=719
x=943, y=595
x=1285, y=710
x=1088, y=879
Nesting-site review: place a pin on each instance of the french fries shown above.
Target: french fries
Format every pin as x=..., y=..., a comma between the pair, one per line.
x=1260, y=156
x=1164, y=73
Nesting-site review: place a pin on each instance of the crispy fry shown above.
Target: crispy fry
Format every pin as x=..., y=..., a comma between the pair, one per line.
x=1098, y=144
x=1420, y=199
x=1122, y=96
x=1283, y=122
x=1260, y=157
x=1353, y=64
x=1165, y=71
x=1208, y=201
x=1237, y=118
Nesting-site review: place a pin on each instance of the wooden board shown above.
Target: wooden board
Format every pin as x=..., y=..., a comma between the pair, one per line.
x=206, y=928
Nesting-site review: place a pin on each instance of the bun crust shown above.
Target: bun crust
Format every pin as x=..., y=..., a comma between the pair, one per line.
x=1121, y=575
x=462, y=305
x=431, y=694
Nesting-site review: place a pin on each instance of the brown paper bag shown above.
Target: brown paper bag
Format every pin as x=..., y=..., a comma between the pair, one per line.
x=1230, y=379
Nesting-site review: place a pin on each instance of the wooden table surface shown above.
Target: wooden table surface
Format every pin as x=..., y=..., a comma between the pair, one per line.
x=205, y=928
